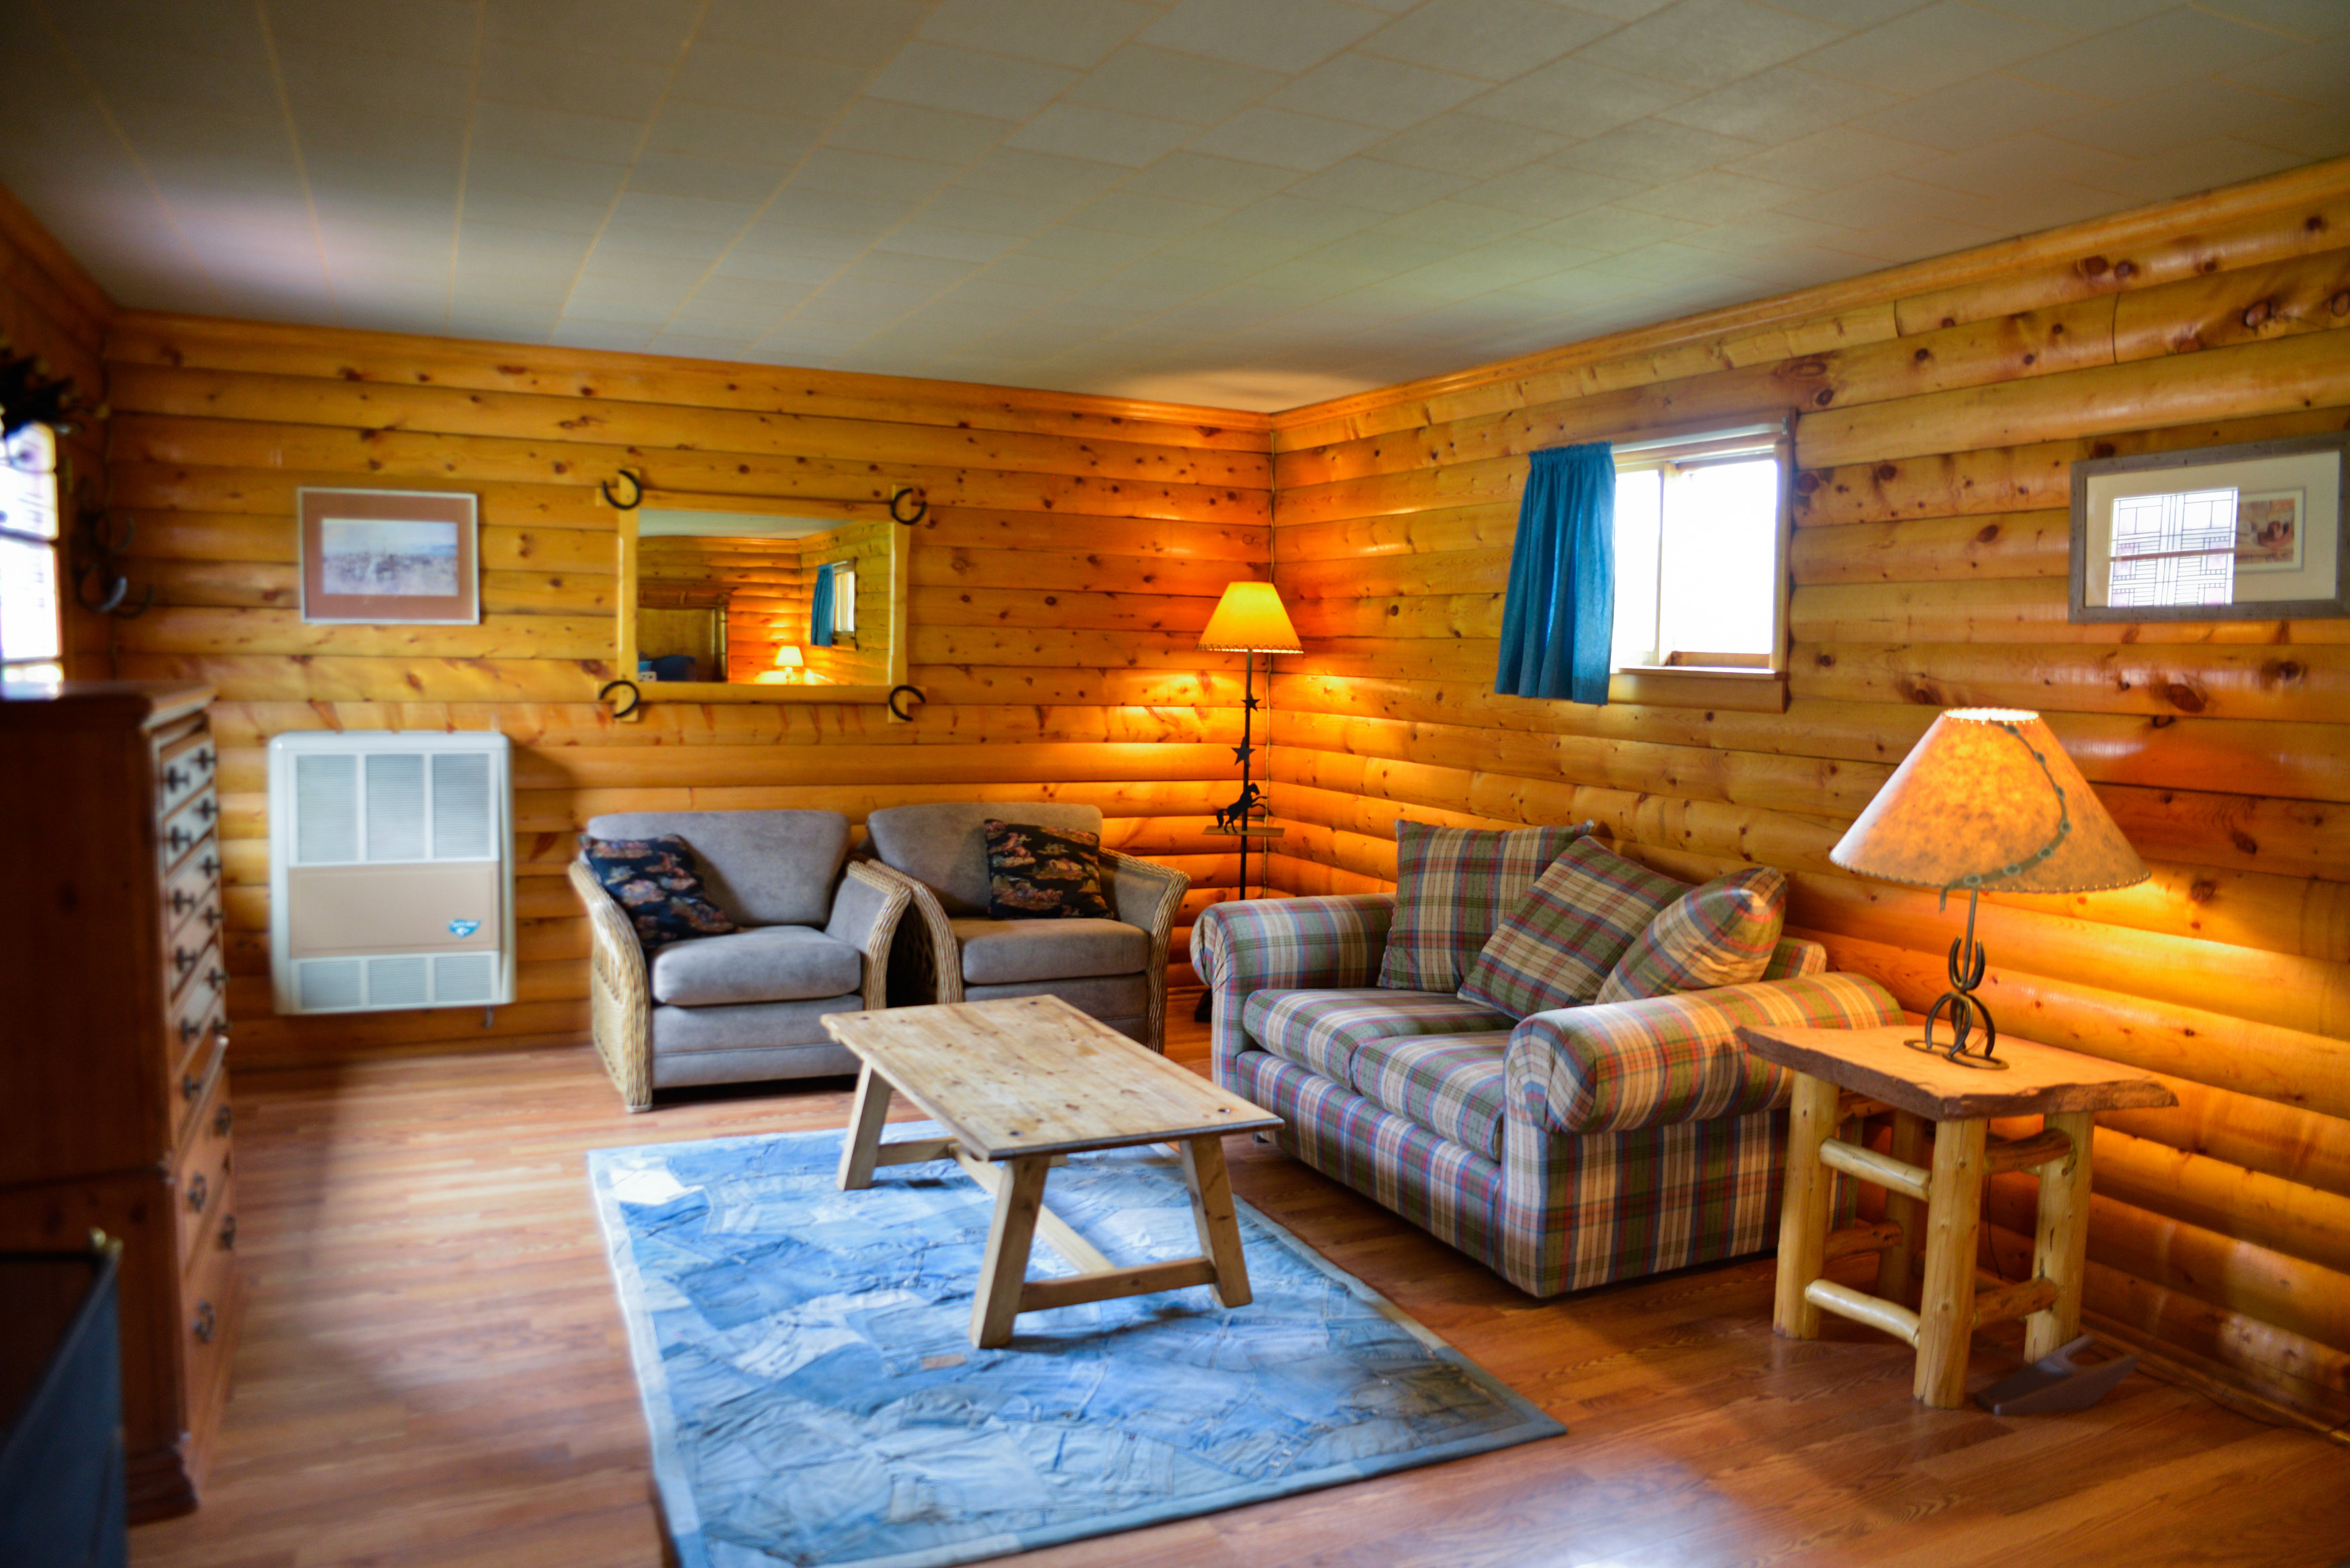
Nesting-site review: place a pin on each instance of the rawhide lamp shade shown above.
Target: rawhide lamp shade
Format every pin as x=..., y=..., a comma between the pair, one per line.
x=1987, y=800
x=1249, y=618
x=787, y=657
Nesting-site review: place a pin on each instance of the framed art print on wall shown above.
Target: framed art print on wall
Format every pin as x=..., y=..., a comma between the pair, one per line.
x=2257, y=530
x=390, y=555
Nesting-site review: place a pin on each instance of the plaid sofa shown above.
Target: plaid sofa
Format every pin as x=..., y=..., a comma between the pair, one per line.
x=1563, y=1150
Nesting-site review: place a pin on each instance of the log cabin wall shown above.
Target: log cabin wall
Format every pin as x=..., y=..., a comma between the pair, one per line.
x=1073, y=549
x=862, y=660
x=1940, y=406
x=50, y=309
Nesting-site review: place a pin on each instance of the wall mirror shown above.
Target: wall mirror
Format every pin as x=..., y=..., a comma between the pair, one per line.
x=752, y=607
x=2255, y=531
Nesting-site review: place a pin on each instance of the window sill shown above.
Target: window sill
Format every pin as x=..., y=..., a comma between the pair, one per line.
x=1700, y=686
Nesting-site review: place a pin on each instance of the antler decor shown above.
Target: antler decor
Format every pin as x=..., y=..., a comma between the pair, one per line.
x=30, y=395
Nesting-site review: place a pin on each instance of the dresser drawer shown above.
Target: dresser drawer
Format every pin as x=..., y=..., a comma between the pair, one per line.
x=192, y=893
x=209, y=1310
x=187, y=825
x=192, y=1086
x=184, y=765
x=201, y=1177
x=196, y=1008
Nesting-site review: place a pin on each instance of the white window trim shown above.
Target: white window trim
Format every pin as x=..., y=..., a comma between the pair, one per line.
x=1678, y=682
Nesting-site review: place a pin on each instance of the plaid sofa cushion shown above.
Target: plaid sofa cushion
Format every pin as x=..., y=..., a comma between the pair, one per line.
x=1322, y=1030
x=1555, y=948
x=1452, y=1084
x=1453, y=884
x=1614, y=1068
x=1722, y=934
x=1794, y=957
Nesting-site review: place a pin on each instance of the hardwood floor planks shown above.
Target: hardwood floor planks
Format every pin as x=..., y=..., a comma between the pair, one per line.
x=433, y=1371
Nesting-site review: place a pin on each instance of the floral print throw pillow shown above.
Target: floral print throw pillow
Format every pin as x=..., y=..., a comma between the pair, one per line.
x=657, y=882
x=1043, y=873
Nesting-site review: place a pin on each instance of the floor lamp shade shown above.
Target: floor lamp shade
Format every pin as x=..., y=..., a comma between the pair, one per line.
x=1988, y=801
x=1250, y=618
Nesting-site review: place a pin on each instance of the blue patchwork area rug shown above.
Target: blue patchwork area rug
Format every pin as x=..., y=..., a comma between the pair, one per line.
x=815, y=1399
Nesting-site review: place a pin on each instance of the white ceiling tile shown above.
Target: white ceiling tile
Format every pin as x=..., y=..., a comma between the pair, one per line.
x=738, y=76
x=2199, y=166
x=986, y=213
x=1611, y=231
x=691, y=129
x=1651, y=151
x=440, y=30
x=1577, y=99
x=946, y=244
x=1283, y=139
x=554, y=133
x=1078, y=33
x=1497, y=40
x=1369, y=90
x=1738, y=39
x=1913, y=239
x=2314, y=73
x=856, y=31
x=940, y=76
x=906, y=131
x=1239, y=246
x=776, y=271
x=1752, y=236
x=1977, y=111
x=1993, y=170
x=2170, y=47
x=871, y=175
x=1715, y=196
x=1096, y=245
x=1300, y=217
x=644, y=209
x=2081, y=16
x=795, y=210
x=1286, y=36
x=1933, y=48
x=543, y=76
x=1465, y=143
x=509, y=210
x=1384, y=187
x=1185, y=176
x=633, y=29
x=2187, y=111
x=2308, y=133
x=1892, y=199
x=1456, y=223
x=1854, y=14
x=1779, y=105
x=1040, y=176
x=1548, y=191
x=547, y=179
x=1380, y=255
x=1102, y=135
x=1178, y=275
x=2304, y=19
x=1141, y=79
x=1827, y=158
x=1124, y=213
x=675, y=175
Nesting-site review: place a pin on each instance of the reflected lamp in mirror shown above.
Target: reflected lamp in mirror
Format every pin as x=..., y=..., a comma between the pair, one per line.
x=2254, y=531
x=1986, y=801
x=789, y=665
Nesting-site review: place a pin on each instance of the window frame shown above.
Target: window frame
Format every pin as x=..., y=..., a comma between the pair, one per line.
x=1699, y=678
x=55, y=544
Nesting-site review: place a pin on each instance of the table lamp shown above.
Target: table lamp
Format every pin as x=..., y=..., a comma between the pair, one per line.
x=1987, y=799
x=788, y=662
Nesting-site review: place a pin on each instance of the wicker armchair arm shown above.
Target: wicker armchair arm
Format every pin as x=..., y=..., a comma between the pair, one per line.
x=1147, y=894
x=621, y=996
x=932, y=960
x=865, y=914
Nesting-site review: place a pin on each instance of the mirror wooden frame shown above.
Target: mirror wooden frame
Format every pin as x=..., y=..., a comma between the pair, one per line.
x=732, y=692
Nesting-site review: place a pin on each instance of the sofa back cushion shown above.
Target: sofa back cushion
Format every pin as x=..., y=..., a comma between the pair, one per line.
x=763, y=867
x=944, y=846
x=1453, y=884
x=1557, y=947
x=1722, y=934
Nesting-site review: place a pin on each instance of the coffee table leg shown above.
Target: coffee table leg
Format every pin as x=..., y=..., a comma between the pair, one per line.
x=1211, y=1215
x=1004, y=1271
x=864, y=1140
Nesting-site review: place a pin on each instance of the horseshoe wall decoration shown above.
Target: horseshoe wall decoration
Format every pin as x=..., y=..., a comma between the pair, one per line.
x=898, y=712
x=635, y=697
x=922, y=506
x=636, y=485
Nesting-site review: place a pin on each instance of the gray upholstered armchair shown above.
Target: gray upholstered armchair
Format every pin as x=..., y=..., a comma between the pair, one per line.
x=1114, y=970
x=745, y=1007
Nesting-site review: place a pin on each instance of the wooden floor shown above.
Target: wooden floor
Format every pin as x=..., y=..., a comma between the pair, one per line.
x=434, y=1372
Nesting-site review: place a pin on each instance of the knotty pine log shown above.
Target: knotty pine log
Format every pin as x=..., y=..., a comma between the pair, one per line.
x=398, y=358
x=254, y=585
x=1487, y=526
x=140, y=488
x=2244, y=1130
x=2299, y=684
x=2018, y=610
x=167, y=534
x=1068, y=609
x=2276, y=299
x=2280, y=1215
x=1077, y=566
x=247, y=631
x=1244, y=544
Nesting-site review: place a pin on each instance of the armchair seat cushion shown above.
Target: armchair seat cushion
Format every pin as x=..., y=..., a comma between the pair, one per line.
x=1008, y=952
x=1455, y=1085
x=767, y=964
x=1322, y=1030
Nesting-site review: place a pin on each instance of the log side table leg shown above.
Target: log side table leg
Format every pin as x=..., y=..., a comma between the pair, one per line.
x=864, y=1140
x=1946, y=1307
x=1804, y=1205
x=1896, y=1265
x=2060, y=1249
x=1213, y=1216
x=1003, y=1272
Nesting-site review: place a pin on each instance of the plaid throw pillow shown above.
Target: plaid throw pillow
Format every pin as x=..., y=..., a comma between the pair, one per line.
x=1719, y=934
x=1557, y=947
x=1043, y=873
x=657, y=882
x=1452, y=884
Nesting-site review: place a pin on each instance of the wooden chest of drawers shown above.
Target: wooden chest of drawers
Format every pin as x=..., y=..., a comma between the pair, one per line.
x=113, y=1080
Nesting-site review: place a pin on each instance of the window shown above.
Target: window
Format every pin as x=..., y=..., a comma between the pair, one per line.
x=1700, y=552
x=30, y=645
x=844, y=600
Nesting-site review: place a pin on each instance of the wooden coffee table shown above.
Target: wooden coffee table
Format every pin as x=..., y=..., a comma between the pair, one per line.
x=1018, y=1083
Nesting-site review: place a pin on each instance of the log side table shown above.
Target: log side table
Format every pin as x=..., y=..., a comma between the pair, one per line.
x=1842, y=1073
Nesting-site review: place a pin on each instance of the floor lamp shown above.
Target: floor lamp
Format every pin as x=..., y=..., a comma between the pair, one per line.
x=1249, y=620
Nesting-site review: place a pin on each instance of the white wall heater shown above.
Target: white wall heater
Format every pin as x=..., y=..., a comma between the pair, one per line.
x=391, y=872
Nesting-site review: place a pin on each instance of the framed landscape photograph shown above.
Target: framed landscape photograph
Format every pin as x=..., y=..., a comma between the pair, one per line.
x=389, y=556
x=2256, y=531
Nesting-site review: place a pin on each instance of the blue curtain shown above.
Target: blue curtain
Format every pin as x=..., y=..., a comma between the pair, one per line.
x=1559, y=620
x=820, y=610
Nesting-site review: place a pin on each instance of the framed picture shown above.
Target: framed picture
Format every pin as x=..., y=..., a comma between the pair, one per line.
x=2252, y=532
x=378, y=555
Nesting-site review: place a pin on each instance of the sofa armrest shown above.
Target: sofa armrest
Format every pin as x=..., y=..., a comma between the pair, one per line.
x=927, y=957
x=1146, y=894
x=1334, y=942
x=620, y=1001
x=865, y=910
x=1628, y=1064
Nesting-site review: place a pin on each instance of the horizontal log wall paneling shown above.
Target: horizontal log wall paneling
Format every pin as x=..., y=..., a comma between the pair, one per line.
x=1940, y=409
x=1071, y=549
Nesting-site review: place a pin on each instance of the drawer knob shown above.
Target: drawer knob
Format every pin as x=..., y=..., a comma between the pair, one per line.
x=209, y=866
x=208, y=808
x=222, y=1120
x=173, y=778
x=204, y=759
x=199, y=1190
x=190, y=1085
x=182, y=960
x=215, y=978
x=212, y=916
x=228, y=1233
x=178, y=838
x=207, y=1323
x=182, y=900
x=189, y=1029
